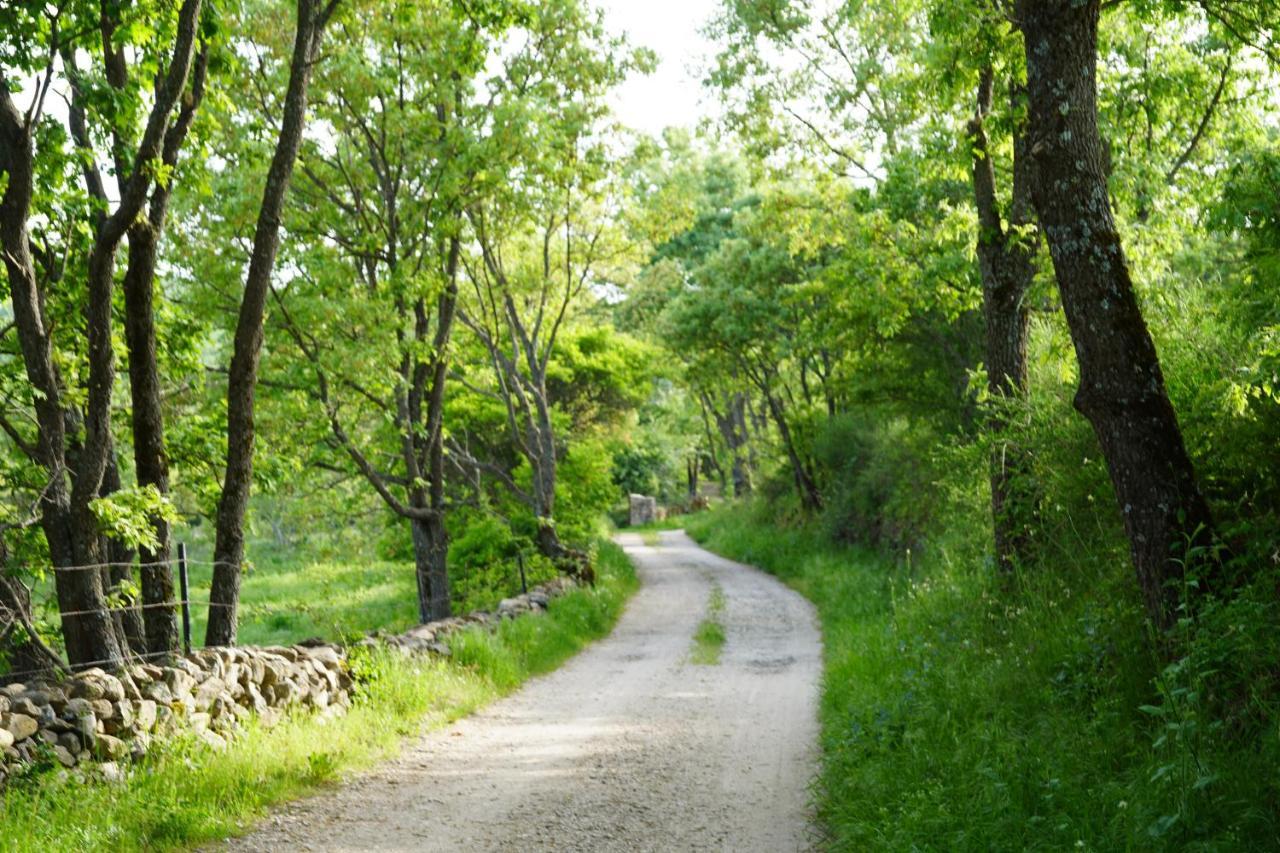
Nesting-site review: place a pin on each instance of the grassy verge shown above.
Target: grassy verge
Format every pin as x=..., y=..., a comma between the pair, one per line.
x=185, y=794
x=959, y=715
x=708, y=639
x=285, y=600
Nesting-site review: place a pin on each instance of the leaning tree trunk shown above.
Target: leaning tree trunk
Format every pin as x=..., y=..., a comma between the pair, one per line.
x=1122, y=390
x=806, y=486
x=89, y=634
x=228, y=551
x=22, y=646
x=1006, y=260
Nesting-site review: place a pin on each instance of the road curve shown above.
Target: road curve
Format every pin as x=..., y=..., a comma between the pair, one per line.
x=628, y=747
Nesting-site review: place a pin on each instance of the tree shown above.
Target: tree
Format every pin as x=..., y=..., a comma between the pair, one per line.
x=150, y=454
x=71, y=528
x=542, y=242
x=518, y=313
x=409, y=139
x=1122, y=391
x=228, y=553
x=1007, y=248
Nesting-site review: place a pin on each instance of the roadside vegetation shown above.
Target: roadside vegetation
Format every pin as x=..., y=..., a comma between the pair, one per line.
x=709, y=638
x=972, y=310
x=185, y=794
x=961, y=713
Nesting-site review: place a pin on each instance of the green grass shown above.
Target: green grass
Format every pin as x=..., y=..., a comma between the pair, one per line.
x=671, y=522
x=708, y=639
x=184, y=794
x=959, y=715
x=284, y=600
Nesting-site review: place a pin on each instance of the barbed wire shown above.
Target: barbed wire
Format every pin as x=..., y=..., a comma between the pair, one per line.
x=138, y=564
x=124, y=659
x=131, y=607
x=124, y=608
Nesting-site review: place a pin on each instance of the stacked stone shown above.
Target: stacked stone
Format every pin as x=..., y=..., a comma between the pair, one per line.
x=643, y=510
x=208, y=694
x=431, y=637
x=95, y=714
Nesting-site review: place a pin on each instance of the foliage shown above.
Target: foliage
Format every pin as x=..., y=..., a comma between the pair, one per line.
x=129, y=515
x=957, y=714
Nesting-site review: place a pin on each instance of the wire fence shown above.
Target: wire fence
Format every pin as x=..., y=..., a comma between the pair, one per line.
x=183, y=604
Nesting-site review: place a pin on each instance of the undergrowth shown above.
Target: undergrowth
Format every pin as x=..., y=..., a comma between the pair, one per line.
x=184, y=793
x=962, y=713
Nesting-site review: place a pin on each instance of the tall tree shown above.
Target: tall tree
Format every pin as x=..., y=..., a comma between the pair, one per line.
x=1122, y=391
x=228, y=552
x=542, y=240
x=150, y=456
x=518, y=315
x=1007, y=245
x=68, y=519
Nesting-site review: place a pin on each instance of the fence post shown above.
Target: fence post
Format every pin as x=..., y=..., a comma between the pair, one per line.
x=524, y=587
x=186, y=597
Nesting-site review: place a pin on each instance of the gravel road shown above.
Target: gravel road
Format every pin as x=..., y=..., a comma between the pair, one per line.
x=628, y=747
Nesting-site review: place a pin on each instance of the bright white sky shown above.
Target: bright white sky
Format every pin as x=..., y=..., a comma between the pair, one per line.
x=673, y=94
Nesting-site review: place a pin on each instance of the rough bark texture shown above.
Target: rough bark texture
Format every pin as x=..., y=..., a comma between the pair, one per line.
x=151, y=460
x=89, y=636
x=1006, y=259
x=70, y=527
x=437, y=535
x=242, y=378
x=1122, y=390
x=119, y=573
x=430, y=555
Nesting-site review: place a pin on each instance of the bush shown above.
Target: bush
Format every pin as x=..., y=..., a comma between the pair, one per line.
x=962, y=713
x=877, y=482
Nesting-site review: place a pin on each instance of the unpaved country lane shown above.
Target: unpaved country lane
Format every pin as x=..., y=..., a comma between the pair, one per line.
x=628, y=747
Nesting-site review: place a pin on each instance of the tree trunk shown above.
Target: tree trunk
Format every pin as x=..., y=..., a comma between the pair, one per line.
x=1122, y=390
x=151, y=460
x=119, y=573
x=25, y=651
x=1006, y=259
x=806, y=487
x=228, y=553
x=571, y=561
x=149, y=456
x=735, y=435
x=89, y=634
x=430, y=556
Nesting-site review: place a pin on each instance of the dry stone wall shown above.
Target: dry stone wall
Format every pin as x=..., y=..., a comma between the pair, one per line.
x=95, y=719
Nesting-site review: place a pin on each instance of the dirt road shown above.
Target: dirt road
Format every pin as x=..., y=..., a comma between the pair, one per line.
x=628, y=747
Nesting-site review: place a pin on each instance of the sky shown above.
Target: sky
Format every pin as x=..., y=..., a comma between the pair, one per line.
x=672, y=94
